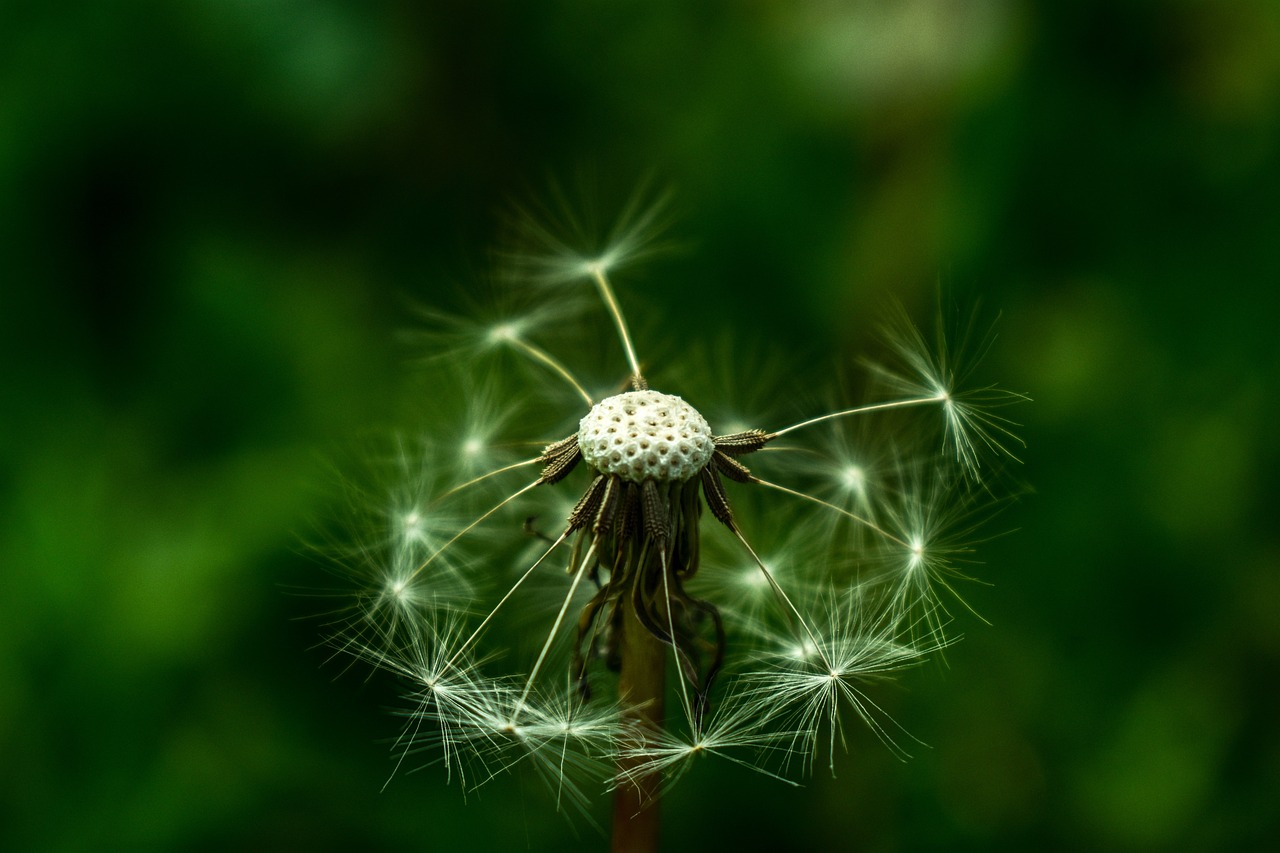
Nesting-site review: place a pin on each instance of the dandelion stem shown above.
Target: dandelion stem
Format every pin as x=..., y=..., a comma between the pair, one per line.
x=539, y=354
x=860, y=410
x=606, y=293
x=641, y=688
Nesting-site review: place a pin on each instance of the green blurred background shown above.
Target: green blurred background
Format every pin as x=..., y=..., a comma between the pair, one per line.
x=214, y=212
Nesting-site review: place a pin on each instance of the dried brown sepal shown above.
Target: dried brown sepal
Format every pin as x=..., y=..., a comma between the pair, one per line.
x=586, y=508
x=653, y=508
x=731, y=468
x=742, y=443
x=608, y=511
x=628, y=512
x=559, y=459
x=717, y=500
x=686, y=515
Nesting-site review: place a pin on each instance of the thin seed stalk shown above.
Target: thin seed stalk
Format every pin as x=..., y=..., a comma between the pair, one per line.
x=641, y=684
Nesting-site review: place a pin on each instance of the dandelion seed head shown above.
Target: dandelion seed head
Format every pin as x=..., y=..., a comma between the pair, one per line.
x=484, y=580
x=646, y=435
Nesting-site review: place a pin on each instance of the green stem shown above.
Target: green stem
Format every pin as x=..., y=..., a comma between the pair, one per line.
x=641, y=685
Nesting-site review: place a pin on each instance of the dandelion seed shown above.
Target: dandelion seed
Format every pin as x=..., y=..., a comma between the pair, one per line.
x=973, y=431
x=935, y=528
x=637, y=633
x=808, y=686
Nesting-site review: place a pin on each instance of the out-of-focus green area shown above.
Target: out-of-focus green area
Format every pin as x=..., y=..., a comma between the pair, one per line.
x=214, y=213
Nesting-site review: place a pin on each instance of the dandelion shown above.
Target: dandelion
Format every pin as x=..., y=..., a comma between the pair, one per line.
x=601, y=585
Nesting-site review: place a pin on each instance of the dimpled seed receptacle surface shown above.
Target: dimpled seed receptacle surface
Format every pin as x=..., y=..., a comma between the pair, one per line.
x=645, y=435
